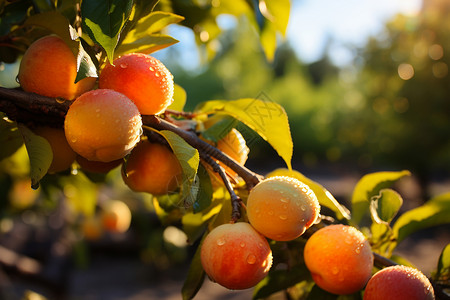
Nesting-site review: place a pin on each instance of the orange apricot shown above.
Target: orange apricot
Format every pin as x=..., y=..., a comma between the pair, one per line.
x=49, y=68
x=142, y=78
x=63, y=155
x=399, y=283
x=282, y=208
x=92, y=229
x=152, y=168
x=233, y=144
x=116, y=216
x=339, y=258
x=236, y=256
x=103, y=125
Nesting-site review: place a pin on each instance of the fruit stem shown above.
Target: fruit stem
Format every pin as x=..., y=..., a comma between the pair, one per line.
x=236, y=201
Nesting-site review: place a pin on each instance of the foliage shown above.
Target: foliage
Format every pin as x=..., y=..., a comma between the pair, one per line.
x=98, y=32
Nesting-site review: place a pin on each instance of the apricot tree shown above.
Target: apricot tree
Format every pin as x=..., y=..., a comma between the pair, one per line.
x=250, y=230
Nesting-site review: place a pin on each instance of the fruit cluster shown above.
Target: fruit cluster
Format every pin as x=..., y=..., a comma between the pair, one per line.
x=104, y=124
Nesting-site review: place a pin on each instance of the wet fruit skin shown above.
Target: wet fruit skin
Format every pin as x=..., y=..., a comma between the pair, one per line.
x=103, y=125
x=63, y=155
x=143, y=79
x=282, y=208
x=152, y=168
x=236, y=256
x=399, y=283
x=49, y=68
x=339, y=258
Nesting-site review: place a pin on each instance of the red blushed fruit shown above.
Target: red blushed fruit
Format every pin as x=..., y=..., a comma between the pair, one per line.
x=399, y=283
x=236, y=256
x=143, y=79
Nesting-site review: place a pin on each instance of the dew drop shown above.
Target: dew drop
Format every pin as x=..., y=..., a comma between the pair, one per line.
x=303, y=208
x=283, y=217
x=157, y=74
x=284, y=200
x=220, y=242
x=348, y=240
x=74, y=140
x=123, y=66
x=35, y=186
x=270, y=213
x=242, y=244
x=60, y=100
x=251, y=259
x=358, y=250
x=17, y=79
x=335, y=271
x=151, y=69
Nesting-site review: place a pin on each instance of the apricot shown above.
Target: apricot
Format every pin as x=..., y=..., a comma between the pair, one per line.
x=116, y=216
x=142, y=78
x=103, y=125
x=152, y=168
x=233, y=144
x=92, y=229
x=399, y=283
x=49, y=68
x=236, y=256
x=63, y=155
x=97, y=166
x=282, y=208
x=339, y=258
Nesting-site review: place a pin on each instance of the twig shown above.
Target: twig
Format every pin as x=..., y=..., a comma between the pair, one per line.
x=236, y=201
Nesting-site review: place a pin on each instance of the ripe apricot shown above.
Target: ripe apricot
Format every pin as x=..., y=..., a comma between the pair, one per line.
x=92, y=229
x=152, y=168
x=103, y=125
x=399, y=283
x=233, y=144
x=97, y=166
x=49, y=68
x=282, y=208
x=63, y=155
x=339, y=258
x=236, y=256
x=142, y=78
x=116, y=216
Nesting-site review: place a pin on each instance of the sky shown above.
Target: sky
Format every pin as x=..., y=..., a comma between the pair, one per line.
x=312, y=22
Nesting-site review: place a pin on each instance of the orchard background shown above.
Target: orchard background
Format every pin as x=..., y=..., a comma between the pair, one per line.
x=371, y=139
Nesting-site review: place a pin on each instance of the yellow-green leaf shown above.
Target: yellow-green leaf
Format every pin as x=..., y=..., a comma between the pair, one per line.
x=265, y=117
x=152, y=23
x=323, y=195
x=147, y=44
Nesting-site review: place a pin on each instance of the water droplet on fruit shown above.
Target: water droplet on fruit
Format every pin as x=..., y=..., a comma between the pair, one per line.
x=242, y=244
x=220, y=242
x=270, y=213
x=284, y=200
x=74, y=140
x=17, y=79
x=157, y=74
x=348, y=240
x=123, y=66
x=251, y=259
x=335, y=270
x=283, y=217
x=151, y=69
x=60, y=100
x=358, y=250
x=35, y=186
x=303, y=208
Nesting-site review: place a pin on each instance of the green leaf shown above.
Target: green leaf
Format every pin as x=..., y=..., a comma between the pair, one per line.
x=194, y=278
x=434, y=212
x=81, y=193
x=189, y=160
x=39, y=152
x=265, y=117
x=278, y=280
x=147, y=45
x=369, y=186
x=10, y=137
x=179, y=98
x=103, y=21
x=323, y=195
x=205, y=192
x=443, y=268
x=385, y=206
x=12, y=14
x=152, y=23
